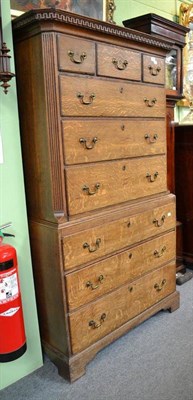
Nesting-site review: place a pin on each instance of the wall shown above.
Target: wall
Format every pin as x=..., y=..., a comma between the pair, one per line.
x=129, y=9
x=126, y=9
x=13, y=208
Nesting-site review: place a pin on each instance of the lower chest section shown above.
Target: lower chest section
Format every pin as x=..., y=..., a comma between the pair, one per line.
x=117, y=270
x=108, y=313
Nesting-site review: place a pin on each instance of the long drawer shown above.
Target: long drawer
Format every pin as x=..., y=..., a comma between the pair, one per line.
x=96, y=320
x=90, y=244
x=96, y=140
x=90, y=187
x=102, y=277
x=97, y=97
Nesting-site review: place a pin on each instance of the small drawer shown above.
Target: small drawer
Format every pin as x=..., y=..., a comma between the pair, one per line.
x=75, y=55
x=89, y=97
x=106, y=314
x=102, y=277
x=90, y=187
x=153, y=69
x=90, y=244
x=118, y=62
x=96, y=140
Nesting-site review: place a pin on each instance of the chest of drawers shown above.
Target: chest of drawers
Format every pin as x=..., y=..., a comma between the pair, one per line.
x=101, y=220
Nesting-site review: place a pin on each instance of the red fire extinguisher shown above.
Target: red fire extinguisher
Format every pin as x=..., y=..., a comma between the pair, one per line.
x=12, y=331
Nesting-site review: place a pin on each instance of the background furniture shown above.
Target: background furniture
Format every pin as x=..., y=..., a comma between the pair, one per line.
x=176, y=33
x=102, y=222
x=184, y=187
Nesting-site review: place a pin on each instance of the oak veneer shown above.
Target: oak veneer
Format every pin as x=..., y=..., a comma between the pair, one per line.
x=129, y=230
x=128, y=301
x=118, y=269
x=111, y=99
x=103, y=255
x=119, y=181
x=111, y=139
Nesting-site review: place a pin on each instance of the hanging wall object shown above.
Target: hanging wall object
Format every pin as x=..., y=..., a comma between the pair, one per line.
x=98, y=9
x=5, y=74
x=186, y=19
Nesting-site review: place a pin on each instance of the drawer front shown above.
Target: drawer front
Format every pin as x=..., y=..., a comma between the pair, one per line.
x=153, y=69
x=87, y=141
x=90, y=187
x=108, y=313
x=89, y=283
x=75, y=55
x=97, y=97
x=90, y=244
x=118, y=62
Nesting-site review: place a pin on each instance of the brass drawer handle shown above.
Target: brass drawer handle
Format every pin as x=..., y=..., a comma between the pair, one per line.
x=151, y=138
x=121, y=65
x=154, y=71
x=152, y=178
x=94, y=324
x=160, y=287
x=150, y=103
x=74, y=60
x=159, y=223
x=86, y=102
x=92, y=249
x=88, y=146
x=86, y=189
x=160, y=253
x=93, y=287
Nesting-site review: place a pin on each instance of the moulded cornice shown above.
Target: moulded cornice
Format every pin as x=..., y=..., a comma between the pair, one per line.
x=58, y=15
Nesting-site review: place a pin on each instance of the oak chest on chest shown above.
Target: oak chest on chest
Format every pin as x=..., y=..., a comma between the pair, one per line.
x=102, y=222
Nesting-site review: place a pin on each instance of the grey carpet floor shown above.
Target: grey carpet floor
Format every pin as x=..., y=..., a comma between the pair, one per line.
x=152, y=362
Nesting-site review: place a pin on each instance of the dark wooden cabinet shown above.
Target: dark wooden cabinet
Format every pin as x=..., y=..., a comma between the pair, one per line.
x=184, y=187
